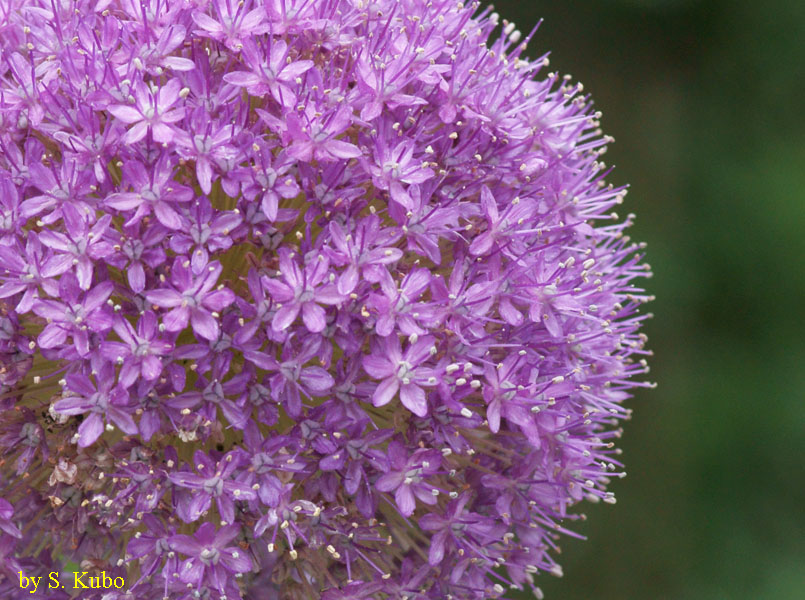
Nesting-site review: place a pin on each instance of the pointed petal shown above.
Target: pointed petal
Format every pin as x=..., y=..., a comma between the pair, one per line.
x=204, y=174
x=204, y=324
x=285, y=316
x=52, y=336
x=413, y=398
x=385, y=391
x=126, y=114
x=135, y=134
x=167, y=216
x=242, y=78
x=378, y=367
x=436, y=552
x=405, y=500
x=90, y=430
x=176, y=320
x=314, y=317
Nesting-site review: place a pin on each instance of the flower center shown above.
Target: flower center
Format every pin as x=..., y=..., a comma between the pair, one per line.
x=214, y=486
x=210, y=556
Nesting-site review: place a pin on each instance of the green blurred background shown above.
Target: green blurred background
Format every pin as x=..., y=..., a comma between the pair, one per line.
x=706, y=101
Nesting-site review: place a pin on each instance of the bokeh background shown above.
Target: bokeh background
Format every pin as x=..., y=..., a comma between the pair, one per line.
x=706, y=101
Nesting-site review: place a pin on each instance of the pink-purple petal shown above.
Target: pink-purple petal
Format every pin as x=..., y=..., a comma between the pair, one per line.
x=90, y=430
x=385, y=391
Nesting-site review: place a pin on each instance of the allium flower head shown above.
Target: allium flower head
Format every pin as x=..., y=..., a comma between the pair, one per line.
x=302, y=299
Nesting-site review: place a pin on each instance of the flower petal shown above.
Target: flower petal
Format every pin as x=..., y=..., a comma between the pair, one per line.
x=385, y=391
x=90, y=430
x=176, y=320
x=204, y=324
x=413, y=398
x=405, y=500
x=126, y=114
x=285, y=316
x=167, y=216
x=313, y=316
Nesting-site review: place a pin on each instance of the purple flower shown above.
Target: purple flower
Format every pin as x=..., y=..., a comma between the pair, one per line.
x=211, y=559
x=25, y=434
x=511, y=397
x=65, y=186
x=153, y=546
x=192, y=299
x=27, y=95
x=313, y=135
x=293, y=379
x=231, y=28
x=6, y=524
x=497, y=222
x=155, y=192
x=29, y=269
x=138, y=252
x=407, y=477
x=397, y=166
x=80, y=315
x=360, y=252
x=268, y=464
x=156, y=58
x=354, y=459
x=210, y=231
x=384, y=82
x=269, y=179
x=82, y=245
x=302, y=291
x=401, y=372
x=396, y=308
x=272, y=72
x=104, y=401
x=213, y=481
x=206, y=145
x=459, y=529
x=216, y=393
x=324, y=280
x=10, y=218
x=140, y=351
x=153, y=111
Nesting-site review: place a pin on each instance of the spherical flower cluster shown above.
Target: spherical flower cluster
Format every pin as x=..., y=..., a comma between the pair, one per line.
x=301, y=299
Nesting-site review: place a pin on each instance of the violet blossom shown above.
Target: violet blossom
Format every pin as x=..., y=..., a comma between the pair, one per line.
x=213, y=481
x=192, y=299
x=407, y=475
x=211, y=559
x=301, y=291
x=303, y=299
x=102, y=401
x=139, y=351
x=152, y=112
